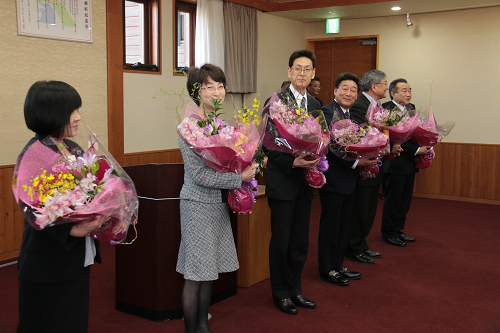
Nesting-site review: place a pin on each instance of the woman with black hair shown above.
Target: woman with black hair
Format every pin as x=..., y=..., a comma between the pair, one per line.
x=54, y=263
x=207, y=244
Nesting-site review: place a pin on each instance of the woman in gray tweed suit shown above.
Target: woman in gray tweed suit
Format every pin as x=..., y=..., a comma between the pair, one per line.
x=207, y=244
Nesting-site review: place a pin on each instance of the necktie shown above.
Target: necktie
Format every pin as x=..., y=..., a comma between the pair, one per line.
x=347, y=115
x=303, y=103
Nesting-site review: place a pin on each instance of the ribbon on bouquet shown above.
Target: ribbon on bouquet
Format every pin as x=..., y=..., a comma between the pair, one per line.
x=242, y=200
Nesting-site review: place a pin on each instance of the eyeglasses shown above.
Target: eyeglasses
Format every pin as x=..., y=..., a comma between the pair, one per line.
x=306, y=70
x=382, y=83
x=214, y=88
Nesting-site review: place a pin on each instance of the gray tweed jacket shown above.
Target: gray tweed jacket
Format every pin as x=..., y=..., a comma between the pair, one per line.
x=202, y=183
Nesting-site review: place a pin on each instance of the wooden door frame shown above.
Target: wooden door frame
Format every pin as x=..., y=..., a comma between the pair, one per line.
x=310, y=42
x=114, y=47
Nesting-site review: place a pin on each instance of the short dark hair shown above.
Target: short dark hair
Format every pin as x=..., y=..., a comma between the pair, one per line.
x=48, y=107
x=393, y=86
x=314, y=79
x=348, y=77
x=197, y=76
x=302, y=53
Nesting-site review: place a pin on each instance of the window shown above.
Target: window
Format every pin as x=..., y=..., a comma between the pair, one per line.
x=141, y=30
x=185, y=27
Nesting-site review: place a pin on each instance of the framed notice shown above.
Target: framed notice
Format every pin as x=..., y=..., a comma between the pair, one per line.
x=57, y=19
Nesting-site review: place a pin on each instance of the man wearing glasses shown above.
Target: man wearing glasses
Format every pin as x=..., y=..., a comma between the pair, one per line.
x=289, y=197
x=373, y=87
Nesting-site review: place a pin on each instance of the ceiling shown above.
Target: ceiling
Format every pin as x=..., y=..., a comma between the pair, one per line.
x=376, y=9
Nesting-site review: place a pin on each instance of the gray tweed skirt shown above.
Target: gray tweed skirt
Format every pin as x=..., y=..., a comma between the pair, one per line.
x=207, y=243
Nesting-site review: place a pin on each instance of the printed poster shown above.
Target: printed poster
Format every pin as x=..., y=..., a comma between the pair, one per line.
x=57, y=19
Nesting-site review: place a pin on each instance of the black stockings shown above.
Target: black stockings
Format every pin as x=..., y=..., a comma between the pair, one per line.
x=195, y=303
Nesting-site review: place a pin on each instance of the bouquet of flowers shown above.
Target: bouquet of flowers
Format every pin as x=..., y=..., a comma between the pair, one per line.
x=298, y=132
x=55, y=189
x=358, y=142
x=428, y=133
x=224, y=148
x=399, y=124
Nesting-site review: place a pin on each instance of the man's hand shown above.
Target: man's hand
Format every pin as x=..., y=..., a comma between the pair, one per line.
x=367, y=162
x=396, y=149
x=301, y=162
x=424, y=150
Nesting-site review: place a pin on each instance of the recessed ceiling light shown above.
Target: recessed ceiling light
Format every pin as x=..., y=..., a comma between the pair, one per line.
x=333, y=13
x=396, y=8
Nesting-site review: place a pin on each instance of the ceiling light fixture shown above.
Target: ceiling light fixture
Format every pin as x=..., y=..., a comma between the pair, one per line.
x=408, y=23
x=396, y=8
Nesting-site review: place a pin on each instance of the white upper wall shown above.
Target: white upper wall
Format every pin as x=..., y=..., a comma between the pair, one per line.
x=457, y=52
x=150, y=124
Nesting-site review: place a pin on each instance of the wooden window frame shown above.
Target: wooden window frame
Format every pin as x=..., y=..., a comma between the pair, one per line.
x=190, y=7
x=152, y=37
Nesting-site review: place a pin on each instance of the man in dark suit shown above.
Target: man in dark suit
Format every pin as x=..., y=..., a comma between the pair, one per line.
x=373, y=87
x=399, y=173
x=338, y=194
x=289, y=197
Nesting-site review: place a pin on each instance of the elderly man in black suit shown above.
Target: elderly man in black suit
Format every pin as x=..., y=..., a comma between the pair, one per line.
x=373, y=87
x=399, y=173
x=289, y=197
x=338, y=194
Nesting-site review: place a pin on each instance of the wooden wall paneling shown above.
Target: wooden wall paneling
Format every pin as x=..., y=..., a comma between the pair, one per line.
x=496, y=175
x=464, y=172
x=3, y=215
x=11, y=219
x=160, y=156
x=9, y=210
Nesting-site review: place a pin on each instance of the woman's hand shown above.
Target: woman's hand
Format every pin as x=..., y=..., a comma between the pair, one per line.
x=119, y=228
x=301, y=161
x=249, y=172
x=85, y=228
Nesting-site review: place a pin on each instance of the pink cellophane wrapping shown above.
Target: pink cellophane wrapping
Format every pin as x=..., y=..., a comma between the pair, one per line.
x=307, y=138
x=220, y=152
x=373, y=145
x=231, y=151
x=241, y=200
x=428, y=133
x=117, y=198
x=397, y=133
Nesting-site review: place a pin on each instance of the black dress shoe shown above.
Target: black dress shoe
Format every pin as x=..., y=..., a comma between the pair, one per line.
x=394, y=241
x=286, y=305
x=362, y=258
x=351, y=275
x=335, y=278
x=373, y=254
x=303, y=302
x=405, y=238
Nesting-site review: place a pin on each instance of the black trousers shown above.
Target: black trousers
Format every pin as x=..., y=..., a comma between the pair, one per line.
x=398, y=195
x=59, y=307
x=289, y=244
x=334, y=228
x=363, y=216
